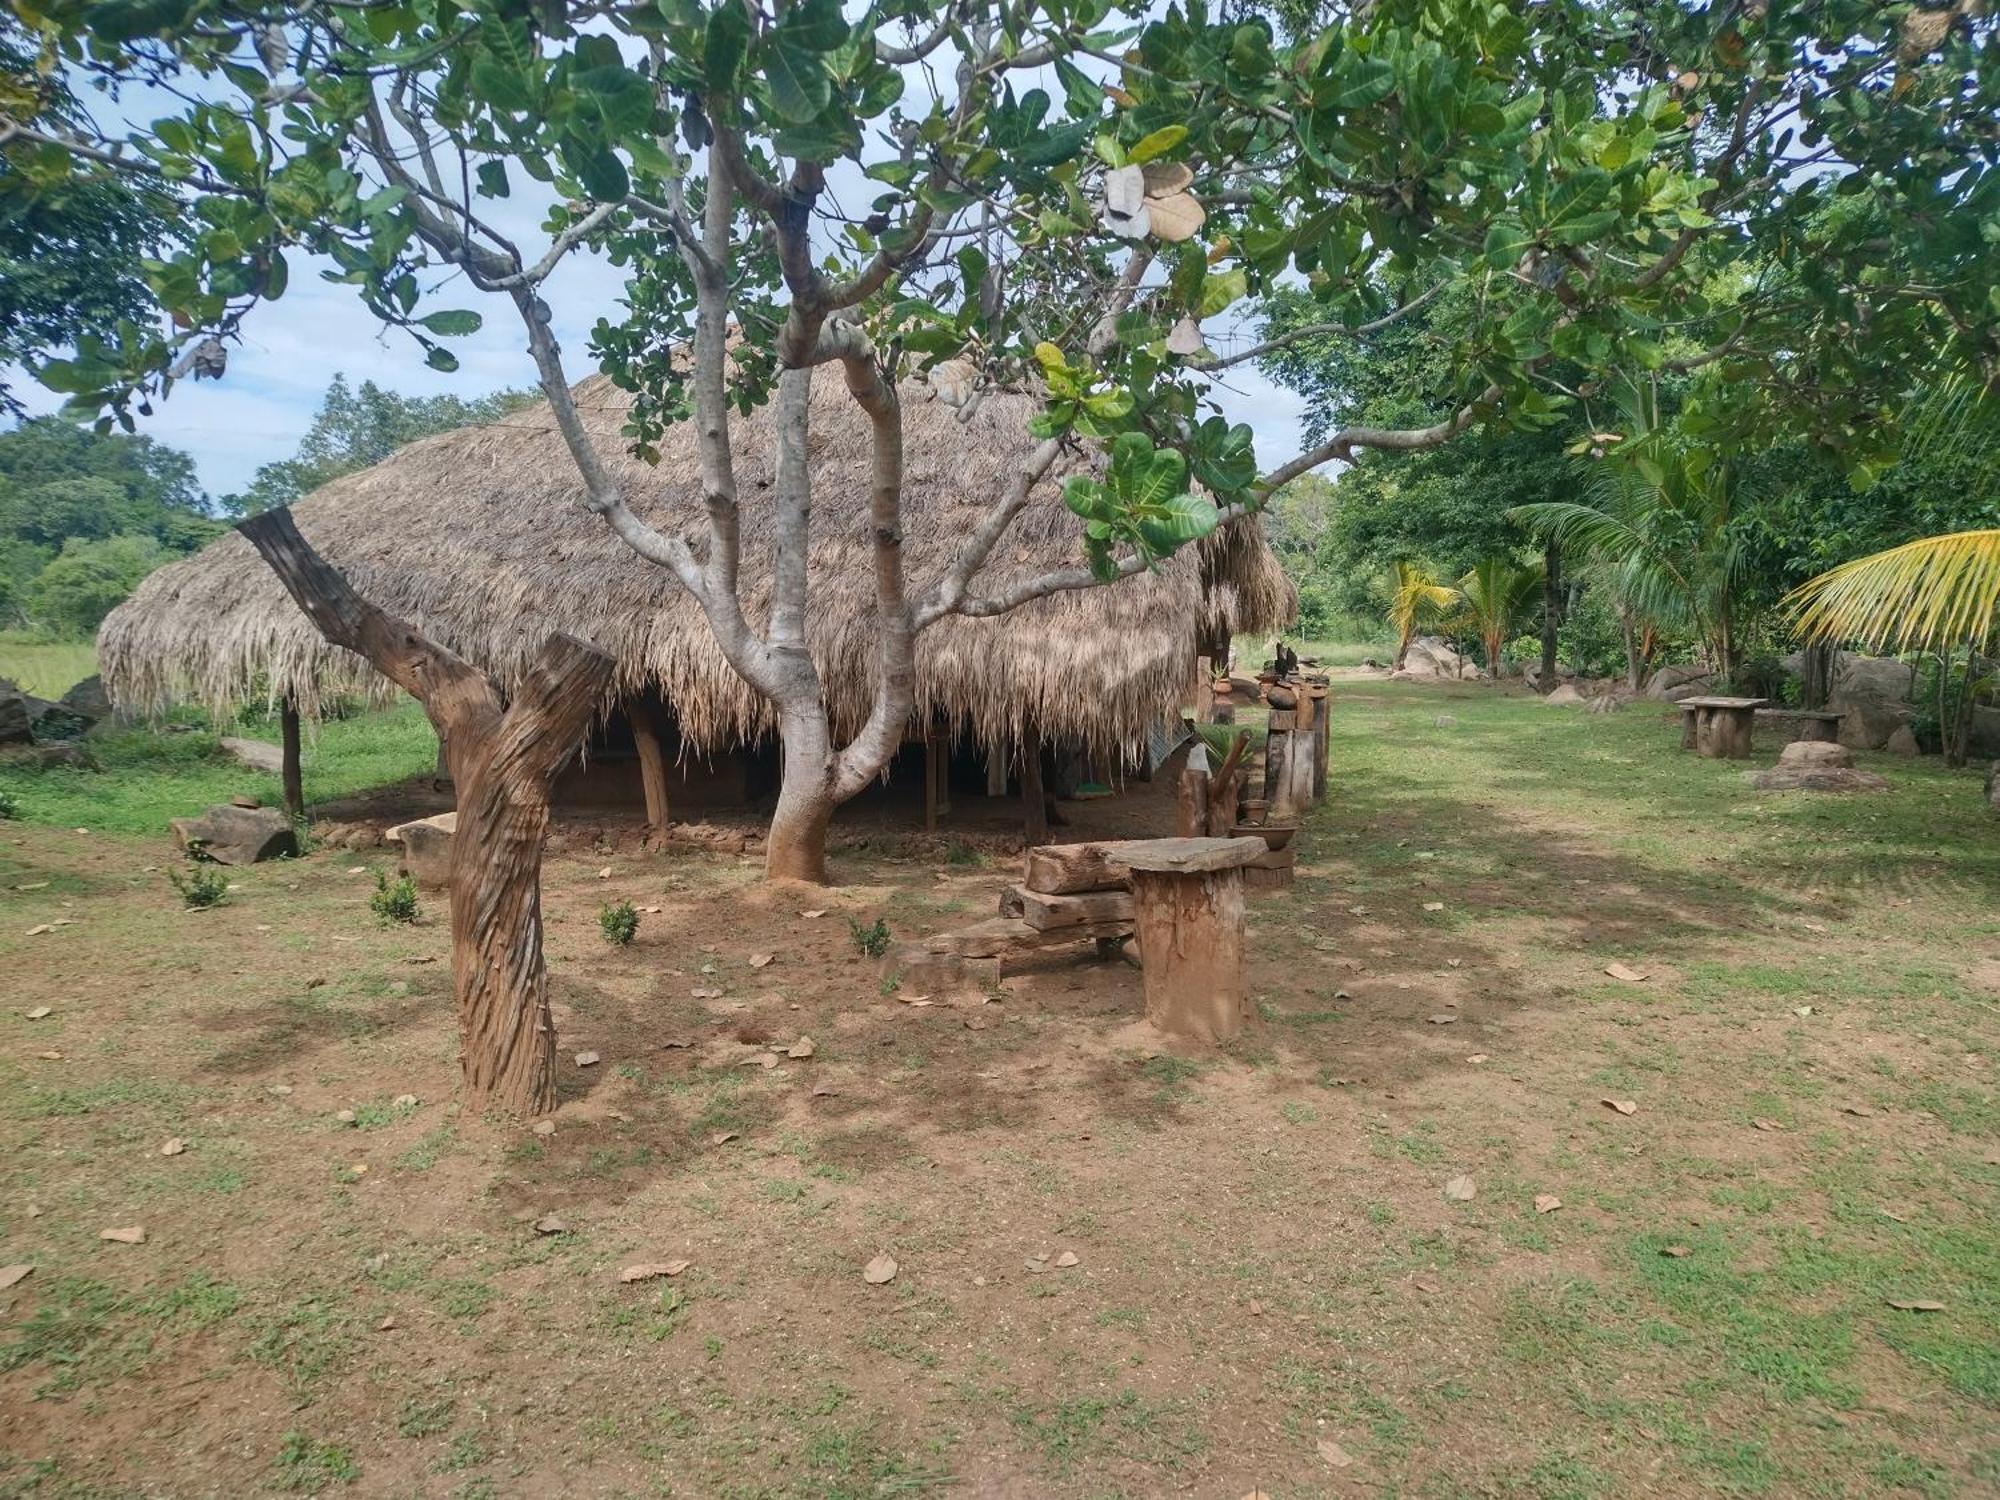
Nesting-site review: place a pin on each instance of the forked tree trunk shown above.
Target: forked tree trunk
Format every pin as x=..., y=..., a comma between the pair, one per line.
x=796, y=847
x=503, y=762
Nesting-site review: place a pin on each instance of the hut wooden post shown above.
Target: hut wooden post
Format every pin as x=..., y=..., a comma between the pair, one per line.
x=295, y=790
x=1191, y=802
x=1204, y=690
x=996, y=771
x=1034, y=806
x=503, y=761
x=652, y=769
x=1321, y=741
x=937, y=784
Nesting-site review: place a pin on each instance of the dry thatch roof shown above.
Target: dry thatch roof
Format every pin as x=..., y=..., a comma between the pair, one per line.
x=478, y=537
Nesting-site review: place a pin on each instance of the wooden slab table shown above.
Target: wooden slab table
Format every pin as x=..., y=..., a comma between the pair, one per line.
x=1719, y=728
x=1187, y=899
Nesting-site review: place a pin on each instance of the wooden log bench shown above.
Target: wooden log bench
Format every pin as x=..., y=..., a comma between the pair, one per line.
x=1181, y=897
x=1719, y=728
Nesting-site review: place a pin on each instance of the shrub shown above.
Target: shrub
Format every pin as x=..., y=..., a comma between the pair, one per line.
x=10, y=806
x=394, y=903
x=202, y=885
x=873, y=941
x=620, y=923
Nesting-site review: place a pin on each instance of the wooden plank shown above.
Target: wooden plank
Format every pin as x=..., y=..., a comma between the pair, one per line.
x=1000, y=937
x=1046, y=912
x=1103, y=864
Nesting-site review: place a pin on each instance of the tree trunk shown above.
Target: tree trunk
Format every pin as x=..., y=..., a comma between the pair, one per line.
x=1552, y=613
x=503, y=763
x=797, y=841
x=1816, y=663
x=652, y=770
x=1635, y=669
x=1034, y=801
x=295, y=791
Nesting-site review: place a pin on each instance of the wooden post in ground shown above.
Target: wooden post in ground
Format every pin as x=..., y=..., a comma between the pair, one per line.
x=1191, y=802
x=1322, y=741
x=652, y=769
x=1204, y=690
x=1188, y=918
x=996, y=771
x=1302, y=768
x=1280, y=775
x=295, y=789
x=936, y=797
x=1034, y=805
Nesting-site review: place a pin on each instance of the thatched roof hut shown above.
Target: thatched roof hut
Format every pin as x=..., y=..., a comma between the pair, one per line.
x=477, y=536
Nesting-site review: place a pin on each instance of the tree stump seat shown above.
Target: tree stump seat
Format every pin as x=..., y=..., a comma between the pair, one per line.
x=1719, y=728
x=1187, y=900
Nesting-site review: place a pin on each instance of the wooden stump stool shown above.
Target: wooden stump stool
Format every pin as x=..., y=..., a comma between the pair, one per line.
x=1188, y=917
x=1719, y=728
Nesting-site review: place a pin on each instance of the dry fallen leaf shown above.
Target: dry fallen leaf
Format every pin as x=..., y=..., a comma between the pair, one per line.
x=587, y=1059
x=809, y=915
x=605, y=873
x=1623, y=1106
x=550, y=1224
x=722, y=1138
x=823, y=1091
x=131, y=1235
x=759, y=960
x=1862, y=1110
x=386, y=1324
x=1336, y=1456
x=1478, y=1057
x=1629, y=976
x=39, y=1012
x=1547, y=1203
x=1442, y=1019
x=1676, y=1252
x=172, y=1146
x=10, y=1275
x=1460, y=1189
x=1915, y=1304
x=1428, y=1285
x=879, y=1271
x=1765, y=1122
x=646, y=1270
x=1256, y=1308
x=1433, y=906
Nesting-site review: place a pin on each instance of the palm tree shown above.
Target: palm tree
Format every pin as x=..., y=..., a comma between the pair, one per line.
x=1657, y=516
x=1416, y=599
x=1497, y=593
x=1938, y=593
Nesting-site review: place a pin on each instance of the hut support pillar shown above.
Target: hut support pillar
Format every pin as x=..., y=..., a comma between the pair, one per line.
x=652, y=770
x=295, y=791
x=504, y=759
x=996, y=771
x=1034, y=804
x=937, y=780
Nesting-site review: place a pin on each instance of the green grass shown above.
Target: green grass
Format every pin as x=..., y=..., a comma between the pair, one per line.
x=147, y=775
x=48, y=669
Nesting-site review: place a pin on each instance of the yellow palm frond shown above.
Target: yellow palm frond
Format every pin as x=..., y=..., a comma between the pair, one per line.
x=1936, y=591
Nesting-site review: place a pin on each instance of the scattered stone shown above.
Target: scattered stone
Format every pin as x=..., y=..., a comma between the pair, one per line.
x=1626, y=975
x=1461, y=1189
x=647, y=1270
x=587, y=1059
x=40, y=1012
x=550, y=1224
x=1547, y=1203
x=426, y=846
x=1565, y=696
x=1067, y=1259
x=130, y=1235
x=879, y=1271
x=346, y=1116
x=406, y=1101
x=1622, y=1106
x=172, y=1146
x=544, y=1128
x=15, y=1274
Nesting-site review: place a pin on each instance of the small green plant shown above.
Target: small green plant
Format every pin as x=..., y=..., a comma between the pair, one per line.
x=10, y=807
x=307, y=1465
x=873, y=941
x=394, y=903
x=619, y=923
x=201, y=886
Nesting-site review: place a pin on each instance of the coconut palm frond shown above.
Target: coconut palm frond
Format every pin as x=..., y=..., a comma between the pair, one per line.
x=1416, y=597
x=1936, y=591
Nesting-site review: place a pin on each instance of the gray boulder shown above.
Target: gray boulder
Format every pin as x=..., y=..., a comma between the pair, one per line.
x=1903, y=743
x=232, y=835
x=17, y=725
x=1670, y=684
x=88, y=700
x=1993, y=787
x=1873, y=693
x=1809, y=778
x=1565, y=696
x=1430, y=658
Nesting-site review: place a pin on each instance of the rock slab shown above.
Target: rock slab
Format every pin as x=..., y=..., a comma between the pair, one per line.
x=237, y=835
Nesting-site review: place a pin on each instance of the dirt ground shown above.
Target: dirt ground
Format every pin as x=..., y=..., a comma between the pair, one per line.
x=1272, y=1288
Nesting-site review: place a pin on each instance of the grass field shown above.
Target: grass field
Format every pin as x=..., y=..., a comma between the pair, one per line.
x=147, y=775
x=1777, y=1275
x=46, y=669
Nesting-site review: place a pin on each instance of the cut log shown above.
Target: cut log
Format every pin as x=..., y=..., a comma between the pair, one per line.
x=1190, y=931
x=1275, y=774
x=1048, y=913
x=1299, y=766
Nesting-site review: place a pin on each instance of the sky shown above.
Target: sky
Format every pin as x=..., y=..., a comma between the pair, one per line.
x=292, y=348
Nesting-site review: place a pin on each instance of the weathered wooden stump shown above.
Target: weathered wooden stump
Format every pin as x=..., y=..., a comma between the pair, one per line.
x=1719, y=728
x=1188, y=917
